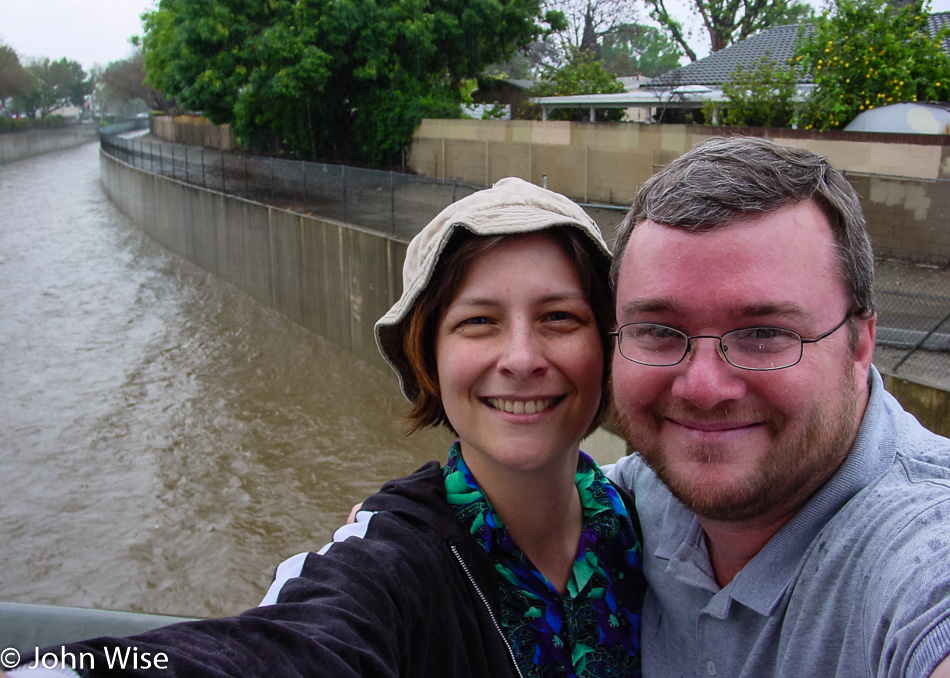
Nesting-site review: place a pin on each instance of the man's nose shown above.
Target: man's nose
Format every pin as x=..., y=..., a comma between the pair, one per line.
x=705, y=377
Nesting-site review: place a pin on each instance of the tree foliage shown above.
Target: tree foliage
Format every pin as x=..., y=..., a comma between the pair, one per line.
x=582, y=74
x=634, y=49
x=590, y=22
x=864, y=53
x=14, y=79
x=125, y=81
x=339, y=79
x=727, y=21
x=54, y=85
x=761, y=95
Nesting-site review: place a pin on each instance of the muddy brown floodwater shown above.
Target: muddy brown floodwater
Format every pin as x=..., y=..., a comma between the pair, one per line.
x=165, y=440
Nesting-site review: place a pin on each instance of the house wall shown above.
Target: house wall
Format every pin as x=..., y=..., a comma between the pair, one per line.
x=902, y=179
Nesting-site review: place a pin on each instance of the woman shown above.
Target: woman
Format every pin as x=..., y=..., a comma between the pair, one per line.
x=517, y=558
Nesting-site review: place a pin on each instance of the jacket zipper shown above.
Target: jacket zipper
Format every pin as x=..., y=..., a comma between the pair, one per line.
x=491, y=614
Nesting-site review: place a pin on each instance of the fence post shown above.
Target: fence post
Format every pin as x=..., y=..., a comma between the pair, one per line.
x=392, y=203
x=343, y=175
x=222, y=173
x=186, y=163
x=161, y=161
x=303, y=206
x=203, y=167
x=173, y=162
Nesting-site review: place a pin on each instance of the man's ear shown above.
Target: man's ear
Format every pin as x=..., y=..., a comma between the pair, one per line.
x=864, y=347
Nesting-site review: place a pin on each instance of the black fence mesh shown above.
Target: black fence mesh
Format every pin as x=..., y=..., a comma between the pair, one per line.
x=913, y=329
x=389, y=202
x=913, y=336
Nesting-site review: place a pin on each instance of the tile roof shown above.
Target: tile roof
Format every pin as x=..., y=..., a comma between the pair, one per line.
x=935, y=22
x=779, y=41
x=715, y=69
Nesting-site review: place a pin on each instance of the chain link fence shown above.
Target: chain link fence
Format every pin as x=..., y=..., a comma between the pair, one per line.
x=913, y=335
x=388, y=202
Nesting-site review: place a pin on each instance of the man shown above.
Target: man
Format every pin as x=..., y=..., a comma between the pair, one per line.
x=796, y=519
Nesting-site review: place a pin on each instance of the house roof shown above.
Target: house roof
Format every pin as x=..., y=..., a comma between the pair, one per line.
x=777, y=42
x=935, y=22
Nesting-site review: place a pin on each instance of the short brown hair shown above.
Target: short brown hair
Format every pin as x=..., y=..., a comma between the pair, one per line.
x=726, y=180
x=464, y=248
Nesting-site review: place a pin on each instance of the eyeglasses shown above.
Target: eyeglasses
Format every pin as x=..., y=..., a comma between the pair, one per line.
x=750, y=348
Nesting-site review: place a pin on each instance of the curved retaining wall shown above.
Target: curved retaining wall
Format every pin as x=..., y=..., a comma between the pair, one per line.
x=332, y=278
x=335, y=279
x=17, y=145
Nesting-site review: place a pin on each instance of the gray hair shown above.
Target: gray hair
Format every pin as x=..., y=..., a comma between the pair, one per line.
x=726, y=180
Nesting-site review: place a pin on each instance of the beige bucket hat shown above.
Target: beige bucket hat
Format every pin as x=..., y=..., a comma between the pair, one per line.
x=510, y=206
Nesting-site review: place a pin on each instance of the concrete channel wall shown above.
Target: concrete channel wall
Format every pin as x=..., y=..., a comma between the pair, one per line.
x=332, y=278
x=18, y=145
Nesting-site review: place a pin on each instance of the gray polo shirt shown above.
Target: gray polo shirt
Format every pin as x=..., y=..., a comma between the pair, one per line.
x=857, y=584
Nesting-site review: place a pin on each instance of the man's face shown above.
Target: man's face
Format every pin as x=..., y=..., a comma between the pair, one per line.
x=733, y=444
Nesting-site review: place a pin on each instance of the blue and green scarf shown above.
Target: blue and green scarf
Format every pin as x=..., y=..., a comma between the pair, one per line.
x=593, y=630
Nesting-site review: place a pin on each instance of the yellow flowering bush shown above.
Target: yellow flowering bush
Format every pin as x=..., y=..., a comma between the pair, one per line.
x=878, y=56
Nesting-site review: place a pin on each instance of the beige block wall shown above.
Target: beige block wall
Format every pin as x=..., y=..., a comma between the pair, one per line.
x=193, y=130
x=902, y=179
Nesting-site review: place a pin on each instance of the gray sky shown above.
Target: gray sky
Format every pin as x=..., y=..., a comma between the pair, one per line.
x=91, y=32
x=96, y=32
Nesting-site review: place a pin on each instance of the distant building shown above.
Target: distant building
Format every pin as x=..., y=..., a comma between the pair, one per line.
x=686, y=88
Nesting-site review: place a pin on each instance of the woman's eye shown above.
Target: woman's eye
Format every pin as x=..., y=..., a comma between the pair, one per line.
x=478, y=320
x=559, y=315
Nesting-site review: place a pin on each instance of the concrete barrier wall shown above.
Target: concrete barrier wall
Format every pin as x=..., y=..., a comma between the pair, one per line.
x=903, y=179
x=18, y=145
x=332, y=278
x=931, y=405
x=193, y=130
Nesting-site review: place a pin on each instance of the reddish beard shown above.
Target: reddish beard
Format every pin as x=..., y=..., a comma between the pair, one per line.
x=798, y=462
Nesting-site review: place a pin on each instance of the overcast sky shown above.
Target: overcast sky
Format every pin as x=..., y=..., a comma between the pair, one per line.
x=97, y=32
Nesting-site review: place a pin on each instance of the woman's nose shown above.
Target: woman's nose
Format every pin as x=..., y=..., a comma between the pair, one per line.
x=521, y=352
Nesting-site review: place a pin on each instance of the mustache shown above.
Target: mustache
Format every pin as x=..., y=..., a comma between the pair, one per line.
x=723, y=413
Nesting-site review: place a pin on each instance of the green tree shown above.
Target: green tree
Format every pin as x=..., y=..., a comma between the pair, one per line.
x=728, y=21
x=760, y=95
x=14, y=79
x=589, y=22
x=634, y=49
x=865, y=53
x=339, y=79
x=54, y=85
x=582, y=74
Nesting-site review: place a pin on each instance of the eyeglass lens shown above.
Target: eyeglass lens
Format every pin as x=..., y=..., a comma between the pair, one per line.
x=757, y=348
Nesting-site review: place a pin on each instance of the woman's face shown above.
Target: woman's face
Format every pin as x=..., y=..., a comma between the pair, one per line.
x=519, y=358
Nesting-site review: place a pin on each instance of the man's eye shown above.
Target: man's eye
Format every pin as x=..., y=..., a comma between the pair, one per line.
x=764, y=333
